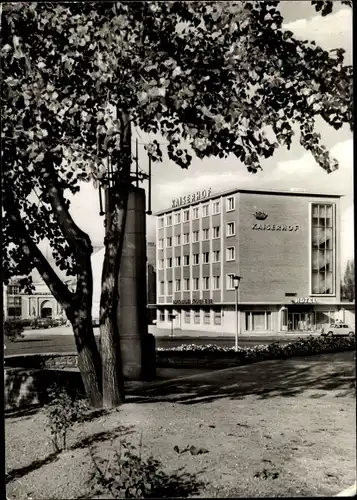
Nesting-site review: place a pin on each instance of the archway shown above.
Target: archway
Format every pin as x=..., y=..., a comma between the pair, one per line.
x=46, y=309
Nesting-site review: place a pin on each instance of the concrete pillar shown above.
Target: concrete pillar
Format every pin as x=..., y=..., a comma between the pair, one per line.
x=137, y=348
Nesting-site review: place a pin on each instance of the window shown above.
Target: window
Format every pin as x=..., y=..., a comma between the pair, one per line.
x=177, y=218
x=161, y=222
x=178, y=285
x=205, y=211
x=186, y=260
x=216, y=207
x=169, y=288
x=323, y=249
x=230, y=282
x=216, y=255
x=216, y=232
x=177, y=240
x=186, y=238
x=13, y=289
x=161, y=243
x=195, y=213
x=231, y=228
x=258, y=321
x=197, y=316
x=205, y=234
x=169, y=241
x=205, y=257
x=186, y=215
x=195, y=236
x=186, y=283
x=196, y=283
x=196, y=259
x=216, y=282
x=205, y=282
x=162, y=288
x=14, y=301
x=168, y=220
x=217, y=316
x=161, y=264
x=169, y=262
x=178, y=261
x=162, y=315
x=206, y=316
x=231, y=253
x=14, y=312
x=187, y=315
x=230, y=204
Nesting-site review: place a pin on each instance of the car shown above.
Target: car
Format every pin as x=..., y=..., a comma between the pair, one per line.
x=42, y=323
x=338, y=329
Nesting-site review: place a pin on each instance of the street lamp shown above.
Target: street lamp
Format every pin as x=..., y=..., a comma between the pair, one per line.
x=236, y=281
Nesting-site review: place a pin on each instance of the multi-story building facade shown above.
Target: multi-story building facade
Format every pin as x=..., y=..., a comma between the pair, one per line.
x=285, y=246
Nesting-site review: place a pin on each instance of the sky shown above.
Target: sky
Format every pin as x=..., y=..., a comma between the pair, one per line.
x=287, y=169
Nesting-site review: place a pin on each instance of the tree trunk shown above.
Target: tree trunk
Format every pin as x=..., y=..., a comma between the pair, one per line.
x=89, y=362
x=113, y=383
x=116, y=209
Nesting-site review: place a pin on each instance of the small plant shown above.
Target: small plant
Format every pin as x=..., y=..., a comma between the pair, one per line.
x=129, y=475
x=62, y=412
x=13, y=330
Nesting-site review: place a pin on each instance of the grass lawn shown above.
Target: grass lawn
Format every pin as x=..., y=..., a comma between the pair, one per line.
x=276, y=428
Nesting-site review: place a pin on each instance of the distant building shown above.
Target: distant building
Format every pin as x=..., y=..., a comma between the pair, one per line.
x=285, y=245
x=151, y=281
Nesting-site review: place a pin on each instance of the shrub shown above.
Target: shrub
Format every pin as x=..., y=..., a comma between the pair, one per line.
x=299, y=347
x=128, y=475
x=13, y=330
x=62, y=412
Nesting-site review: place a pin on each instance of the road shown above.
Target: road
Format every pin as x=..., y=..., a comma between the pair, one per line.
x=60, y=340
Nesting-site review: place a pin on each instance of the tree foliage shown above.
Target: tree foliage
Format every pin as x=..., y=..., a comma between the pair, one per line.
x=224, y=76
x=348, y=284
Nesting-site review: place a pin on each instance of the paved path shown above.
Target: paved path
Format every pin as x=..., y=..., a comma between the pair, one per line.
x=332, y=373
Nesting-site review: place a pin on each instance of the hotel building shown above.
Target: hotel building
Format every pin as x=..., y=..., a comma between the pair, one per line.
x=285, y=246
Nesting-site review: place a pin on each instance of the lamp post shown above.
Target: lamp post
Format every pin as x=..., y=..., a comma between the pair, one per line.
x=236, y=281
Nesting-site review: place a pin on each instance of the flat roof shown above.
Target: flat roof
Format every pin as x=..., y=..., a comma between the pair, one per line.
x=291, y=192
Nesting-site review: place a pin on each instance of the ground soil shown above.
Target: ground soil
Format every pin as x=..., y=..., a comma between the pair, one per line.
x=293, y=420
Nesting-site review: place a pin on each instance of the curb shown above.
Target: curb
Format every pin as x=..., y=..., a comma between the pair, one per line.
x=348, y=492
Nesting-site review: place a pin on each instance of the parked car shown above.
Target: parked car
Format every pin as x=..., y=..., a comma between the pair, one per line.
x=341, y=329
x=42, y=323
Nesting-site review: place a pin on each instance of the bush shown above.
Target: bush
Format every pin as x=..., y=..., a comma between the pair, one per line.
x=128, y=475
x=13, y=330
x=299, y=347
x=62, y=412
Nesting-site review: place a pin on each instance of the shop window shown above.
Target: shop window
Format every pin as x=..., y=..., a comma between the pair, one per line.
x=187, y=316
x=206, y=316
x=217, y=316
x=258, y=321
x=162, y=315
x=197, y=316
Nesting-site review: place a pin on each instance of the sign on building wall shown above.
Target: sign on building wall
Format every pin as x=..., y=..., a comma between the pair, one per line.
x=260, y=216
x=190, y=198
x=193, y=302
x=304, y=300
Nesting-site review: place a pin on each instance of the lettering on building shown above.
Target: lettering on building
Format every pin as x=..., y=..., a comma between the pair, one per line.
x=191, y=198
x=275, y=227
x=193, y=302
x=304, y=300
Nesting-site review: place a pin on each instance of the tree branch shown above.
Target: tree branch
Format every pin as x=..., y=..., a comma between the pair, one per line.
x=58, y=289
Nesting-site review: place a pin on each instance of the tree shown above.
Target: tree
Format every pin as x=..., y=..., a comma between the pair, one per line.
x=348, y=284
x=224, y=77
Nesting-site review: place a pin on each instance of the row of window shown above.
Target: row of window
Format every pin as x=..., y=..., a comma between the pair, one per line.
x=216, y=209
x=216, y=233
x=197, y=284
x=185, y=260
x=195, y=315
x=254, y=320
x=323, y=249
